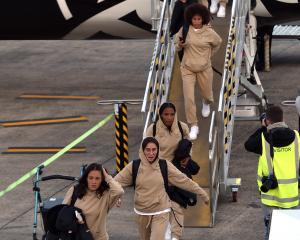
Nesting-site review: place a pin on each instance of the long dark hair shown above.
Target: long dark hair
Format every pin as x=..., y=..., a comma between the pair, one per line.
x=166, y=105
x=82, y=186
x=162, y=109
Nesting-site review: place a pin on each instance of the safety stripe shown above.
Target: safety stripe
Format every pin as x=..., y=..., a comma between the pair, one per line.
x=269, y=160
x=296, y=153
x=42, y=96
x=277, y=199
x=43, y=121
x=287, y=181
x=282, y=181
x=25, y=150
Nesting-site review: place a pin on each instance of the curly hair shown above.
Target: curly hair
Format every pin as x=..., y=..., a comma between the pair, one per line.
x=82, y=186
x=197, y=9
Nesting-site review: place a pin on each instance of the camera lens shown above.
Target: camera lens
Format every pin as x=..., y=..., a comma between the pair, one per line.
x=263, y=116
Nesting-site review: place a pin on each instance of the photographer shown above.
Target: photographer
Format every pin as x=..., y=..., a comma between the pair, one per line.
x=278, y=167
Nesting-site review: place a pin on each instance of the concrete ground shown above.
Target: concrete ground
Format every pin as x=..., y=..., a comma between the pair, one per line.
x=112, y=70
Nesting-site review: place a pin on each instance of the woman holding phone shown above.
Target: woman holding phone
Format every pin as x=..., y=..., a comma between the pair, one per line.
x=200, y=45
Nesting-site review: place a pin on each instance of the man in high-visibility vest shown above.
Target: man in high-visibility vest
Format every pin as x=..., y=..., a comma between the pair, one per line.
x=278, y=166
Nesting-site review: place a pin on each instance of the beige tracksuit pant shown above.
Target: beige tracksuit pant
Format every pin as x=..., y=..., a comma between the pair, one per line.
x=153, y=227
x=176, y=229
x=189, y=79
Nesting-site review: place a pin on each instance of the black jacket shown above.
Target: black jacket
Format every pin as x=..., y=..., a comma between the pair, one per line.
x=182, y=197
x=281, y=137
x=183, y=151
x=68, y=226
x=178, y=15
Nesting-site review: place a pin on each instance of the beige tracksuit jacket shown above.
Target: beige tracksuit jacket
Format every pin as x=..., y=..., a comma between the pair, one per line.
x=95, y=209
x=168, y=139
x=199, y=47
x=150, y=195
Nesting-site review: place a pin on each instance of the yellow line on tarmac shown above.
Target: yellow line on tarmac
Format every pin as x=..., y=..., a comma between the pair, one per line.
x=45, y=121
x=75, y=97
x=43, y=150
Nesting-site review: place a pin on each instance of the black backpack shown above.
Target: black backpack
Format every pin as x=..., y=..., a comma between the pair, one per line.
x=163, y=168
x=179, y=126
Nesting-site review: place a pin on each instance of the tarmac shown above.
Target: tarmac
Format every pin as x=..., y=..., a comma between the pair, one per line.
x=115, y=69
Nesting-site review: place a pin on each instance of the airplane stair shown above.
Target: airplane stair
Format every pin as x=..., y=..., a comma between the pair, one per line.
x=200, y=215
x=212, y=149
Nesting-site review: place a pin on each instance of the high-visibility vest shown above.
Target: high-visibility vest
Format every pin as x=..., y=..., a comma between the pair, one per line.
x=285, y=165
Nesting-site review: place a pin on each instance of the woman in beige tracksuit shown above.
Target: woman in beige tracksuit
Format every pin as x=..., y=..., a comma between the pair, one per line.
x=200, y=45
x=167, y=131
x=97, y=193
x=151, y=202
x=168, y=136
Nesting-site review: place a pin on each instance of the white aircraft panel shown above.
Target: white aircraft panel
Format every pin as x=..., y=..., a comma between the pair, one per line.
x=285, y=225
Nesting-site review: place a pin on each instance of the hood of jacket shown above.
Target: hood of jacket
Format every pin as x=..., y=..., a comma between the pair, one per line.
x=144, y=160
x=161, y=127
x=281, y=135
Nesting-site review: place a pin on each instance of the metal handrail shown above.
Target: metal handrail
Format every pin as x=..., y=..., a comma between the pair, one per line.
x=154, y=56
x=157, y=86
x=229, y=89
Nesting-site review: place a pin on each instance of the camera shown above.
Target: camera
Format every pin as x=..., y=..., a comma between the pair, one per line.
x=263, y=117
x=269, y=182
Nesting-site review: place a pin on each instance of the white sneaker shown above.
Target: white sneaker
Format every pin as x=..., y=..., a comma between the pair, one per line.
x=205, y=110
x=222, y=12
x=174, y=238
x=194, y=132
x=214, y=6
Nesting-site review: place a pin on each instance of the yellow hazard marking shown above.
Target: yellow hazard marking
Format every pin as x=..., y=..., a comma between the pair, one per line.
x=125, y=128
x=125, y=138
x=118, y=142
x=40, y=96
x=126, y=147
x=126, y=156
x=118, y=151
x=124, y=119
x=117, y=125
x=118, y=134
x=124, y=110
x=46, y=121
x=42, y=150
